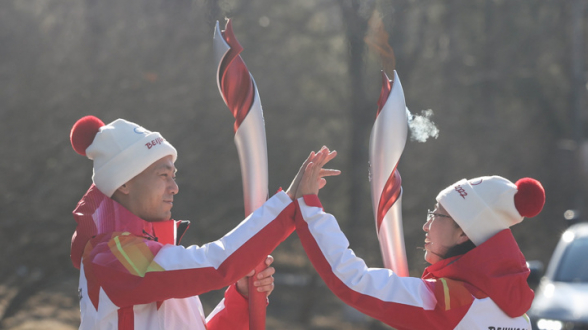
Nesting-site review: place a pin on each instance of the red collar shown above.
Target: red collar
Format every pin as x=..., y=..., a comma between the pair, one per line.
x=496, y=267
x=97, y=214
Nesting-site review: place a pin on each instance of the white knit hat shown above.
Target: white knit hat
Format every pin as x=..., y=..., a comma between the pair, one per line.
x=484, y=206
x=120, y=150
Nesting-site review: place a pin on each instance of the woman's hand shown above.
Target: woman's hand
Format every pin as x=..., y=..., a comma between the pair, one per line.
x=313, y=175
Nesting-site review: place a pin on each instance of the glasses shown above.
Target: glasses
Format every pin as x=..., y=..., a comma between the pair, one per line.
x=431, y=215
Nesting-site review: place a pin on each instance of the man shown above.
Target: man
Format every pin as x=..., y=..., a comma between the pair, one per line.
x=133, y=275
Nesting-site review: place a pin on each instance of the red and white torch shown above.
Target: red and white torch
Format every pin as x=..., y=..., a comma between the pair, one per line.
x=237, y=87
x=386, y=145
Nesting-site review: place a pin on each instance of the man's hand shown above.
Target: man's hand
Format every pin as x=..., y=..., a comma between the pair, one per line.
x=294, y=185
x=314, y=173
x=325, y=156
x=264, y=281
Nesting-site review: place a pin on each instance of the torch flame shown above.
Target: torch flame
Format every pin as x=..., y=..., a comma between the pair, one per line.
x=235, y=80
x=377, y=41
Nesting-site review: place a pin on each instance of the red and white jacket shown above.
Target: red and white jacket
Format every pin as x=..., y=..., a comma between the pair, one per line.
x=485, y=288
x=133, y=275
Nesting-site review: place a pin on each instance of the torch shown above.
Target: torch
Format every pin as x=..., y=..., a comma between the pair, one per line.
x=238, y=90
x=387, y=142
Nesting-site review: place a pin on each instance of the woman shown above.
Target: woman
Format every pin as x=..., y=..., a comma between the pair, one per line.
x=477, y=277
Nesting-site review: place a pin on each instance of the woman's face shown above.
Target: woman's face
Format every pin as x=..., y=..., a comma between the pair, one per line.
x=442, y=233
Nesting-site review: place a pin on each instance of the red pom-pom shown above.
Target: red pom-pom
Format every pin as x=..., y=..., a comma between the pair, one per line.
x=530, y=197
x=83, y=133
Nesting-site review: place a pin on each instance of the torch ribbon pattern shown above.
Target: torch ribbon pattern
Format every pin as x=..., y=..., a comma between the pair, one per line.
x=387, y=142
x=237, y=87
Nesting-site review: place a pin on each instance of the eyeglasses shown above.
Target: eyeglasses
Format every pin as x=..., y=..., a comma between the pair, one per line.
x=431, y=215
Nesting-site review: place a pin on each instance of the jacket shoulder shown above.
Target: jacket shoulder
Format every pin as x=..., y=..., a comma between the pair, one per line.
x=123, y=251
x=451, y=294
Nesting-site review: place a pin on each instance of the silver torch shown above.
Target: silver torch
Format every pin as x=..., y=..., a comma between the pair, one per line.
x=387, y=142
x=237, y=87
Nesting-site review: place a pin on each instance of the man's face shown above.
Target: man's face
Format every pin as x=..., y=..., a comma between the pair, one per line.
x=150, y=194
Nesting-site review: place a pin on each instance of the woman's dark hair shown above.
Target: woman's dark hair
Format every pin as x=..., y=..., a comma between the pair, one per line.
x=460, y=249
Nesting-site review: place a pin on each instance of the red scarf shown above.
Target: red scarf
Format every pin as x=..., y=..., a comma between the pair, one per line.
x=97, y=214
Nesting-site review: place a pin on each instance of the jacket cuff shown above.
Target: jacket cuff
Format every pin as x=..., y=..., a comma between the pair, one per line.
x=234, y=297
x=283, y=197
x=312, y=200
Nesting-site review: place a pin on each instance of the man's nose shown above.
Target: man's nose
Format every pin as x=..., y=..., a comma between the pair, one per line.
x=174, y=187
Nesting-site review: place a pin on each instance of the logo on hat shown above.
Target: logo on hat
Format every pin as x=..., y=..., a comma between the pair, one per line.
x=476, y=183
x=155, y=142
x=140, y=130
x=461, y=191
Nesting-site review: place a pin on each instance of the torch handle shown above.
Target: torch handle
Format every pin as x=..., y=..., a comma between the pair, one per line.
x=257, y=302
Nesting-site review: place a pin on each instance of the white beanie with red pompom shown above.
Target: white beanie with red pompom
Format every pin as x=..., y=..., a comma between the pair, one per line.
x=120, y=150
x=484, y=206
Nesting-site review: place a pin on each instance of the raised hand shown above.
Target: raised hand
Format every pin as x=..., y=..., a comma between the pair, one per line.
x=313, y=175
x=294, y=185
